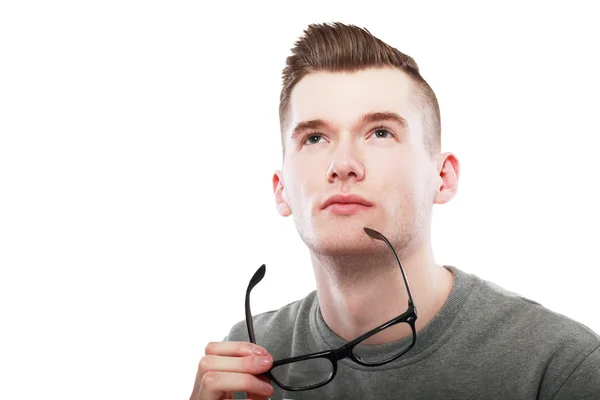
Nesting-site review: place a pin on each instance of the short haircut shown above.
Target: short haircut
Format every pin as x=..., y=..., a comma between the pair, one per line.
x=337, y=47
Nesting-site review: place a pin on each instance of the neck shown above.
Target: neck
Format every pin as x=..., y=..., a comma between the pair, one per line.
x=359, y=293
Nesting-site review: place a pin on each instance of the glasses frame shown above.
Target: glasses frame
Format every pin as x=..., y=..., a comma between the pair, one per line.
x=409, y=317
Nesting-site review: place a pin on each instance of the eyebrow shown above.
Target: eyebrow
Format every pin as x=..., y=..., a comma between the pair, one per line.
x=367, y=118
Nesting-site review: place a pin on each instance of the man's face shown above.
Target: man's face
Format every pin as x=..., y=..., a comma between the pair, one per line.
x=377, y=158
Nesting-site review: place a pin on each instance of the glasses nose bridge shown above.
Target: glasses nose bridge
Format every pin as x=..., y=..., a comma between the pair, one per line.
x=340, y=354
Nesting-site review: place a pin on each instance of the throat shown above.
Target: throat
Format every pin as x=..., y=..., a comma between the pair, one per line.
x=352, y=310
x=353, y=307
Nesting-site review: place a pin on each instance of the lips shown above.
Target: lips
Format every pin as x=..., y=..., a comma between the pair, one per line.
x=347, y=199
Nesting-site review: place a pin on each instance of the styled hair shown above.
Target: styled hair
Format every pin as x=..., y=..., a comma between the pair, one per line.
x=337, y=47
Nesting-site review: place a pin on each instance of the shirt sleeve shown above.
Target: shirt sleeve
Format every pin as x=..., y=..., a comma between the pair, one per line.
x=584, y=381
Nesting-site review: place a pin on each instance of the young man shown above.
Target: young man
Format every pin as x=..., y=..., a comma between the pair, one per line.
x=361, y=139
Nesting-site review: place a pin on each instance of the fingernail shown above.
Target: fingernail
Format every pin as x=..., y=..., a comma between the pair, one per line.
x=259, y=350
x=262, y=360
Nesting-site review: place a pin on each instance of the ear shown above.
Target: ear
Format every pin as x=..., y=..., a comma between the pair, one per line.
x=448, y=168
x=281, y=202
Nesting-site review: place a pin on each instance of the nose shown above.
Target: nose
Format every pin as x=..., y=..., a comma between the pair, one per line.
x=345, y=165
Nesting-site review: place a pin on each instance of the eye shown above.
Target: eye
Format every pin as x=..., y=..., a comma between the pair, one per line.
x=312, y=138
x=383, y=133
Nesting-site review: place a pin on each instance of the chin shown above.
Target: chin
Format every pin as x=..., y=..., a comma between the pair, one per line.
x=340, y=239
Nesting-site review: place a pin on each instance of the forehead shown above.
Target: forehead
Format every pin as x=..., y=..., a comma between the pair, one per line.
x=341, y=98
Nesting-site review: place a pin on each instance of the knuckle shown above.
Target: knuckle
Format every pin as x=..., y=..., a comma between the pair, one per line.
x=243, y=348
x=209, y=348
x=206, y=364
x=210, y=379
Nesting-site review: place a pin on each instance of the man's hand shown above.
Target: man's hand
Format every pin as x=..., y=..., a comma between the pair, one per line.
x=229, y=367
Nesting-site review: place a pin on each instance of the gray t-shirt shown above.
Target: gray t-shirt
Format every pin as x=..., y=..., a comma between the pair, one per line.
x=484, y=343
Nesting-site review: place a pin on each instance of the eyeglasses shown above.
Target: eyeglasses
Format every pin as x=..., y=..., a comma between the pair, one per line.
x=318, y=369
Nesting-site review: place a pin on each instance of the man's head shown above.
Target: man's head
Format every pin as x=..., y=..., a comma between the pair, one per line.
x=347, y=48
x=357, y=118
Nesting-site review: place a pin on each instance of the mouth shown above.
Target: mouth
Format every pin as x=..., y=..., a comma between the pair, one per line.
x=346, y=204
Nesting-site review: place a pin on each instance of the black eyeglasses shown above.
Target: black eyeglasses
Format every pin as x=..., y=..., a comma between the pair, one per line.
x=318, y=369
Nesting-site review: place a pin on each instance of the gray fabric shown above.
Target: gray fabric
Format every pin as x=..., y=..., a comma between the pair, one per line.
x=485, y=343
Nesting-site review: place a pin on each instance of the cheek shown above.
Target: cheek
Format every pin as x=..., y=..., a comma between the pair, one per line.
x=303, y=185
x=395, y=170
x=306, y=175
x=401, y=185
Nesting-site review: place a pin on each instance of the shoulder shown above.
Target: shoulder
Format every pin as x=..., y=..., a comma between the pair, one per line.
x=529, y=336
x=513, y=309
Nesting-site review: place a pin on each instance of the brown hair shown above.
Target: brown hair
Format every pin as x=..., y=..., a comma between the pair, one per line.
x=338, y=47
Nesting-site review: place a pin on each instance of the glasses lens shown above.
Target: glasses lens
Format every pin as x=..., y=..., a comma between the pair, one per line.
x=373, y=354
x=303, y=374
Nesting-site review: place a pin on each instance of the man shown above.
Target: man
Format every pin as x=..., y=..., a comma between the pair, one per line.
x=361, y=140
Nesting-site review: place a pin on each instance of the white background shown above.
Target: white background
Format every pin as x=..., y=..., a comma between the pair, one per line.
x=138, y=141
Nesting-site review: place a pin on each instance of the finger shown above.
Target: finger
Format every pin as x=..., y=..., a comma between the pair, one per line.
x=264, y=379
x=234, y=349
x=251, y=365
x=215, y=385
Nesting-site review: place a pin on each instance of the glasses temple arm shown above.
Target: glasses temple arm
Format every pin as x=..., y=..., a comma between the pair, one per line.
x=410, y=299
